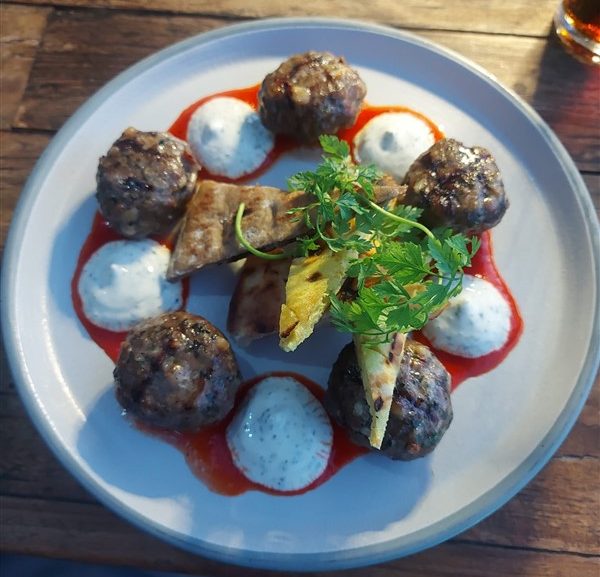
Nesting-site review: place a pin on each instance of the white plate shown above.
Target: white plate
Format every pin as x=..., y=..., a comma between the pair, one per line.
x=507, y=423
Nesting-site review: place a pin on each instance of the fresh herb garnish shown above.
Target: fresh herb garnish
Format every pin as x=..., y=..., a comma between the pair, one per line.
x=407, y=272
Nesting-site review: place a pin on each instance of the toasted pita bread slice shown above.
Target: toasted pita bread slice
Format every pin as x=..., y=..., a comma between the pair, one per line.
x=379, y=368
x=207, y=234
x=256, y=302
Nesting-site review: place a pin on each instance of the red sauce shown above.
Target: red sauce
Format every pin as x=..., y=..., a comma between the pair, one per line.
x=249, y=96
x=284, y=143
x=208, y=455
x=101, y=234
x=461, y=368
x=207, y=452
x=369, y=112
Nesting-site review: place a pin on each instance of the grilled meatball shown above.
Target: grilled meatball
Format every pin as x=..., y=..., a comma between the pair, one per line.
x=458, y=187
x=176, y=371
x=311, y=94
x=421, y=409
x=144, y=182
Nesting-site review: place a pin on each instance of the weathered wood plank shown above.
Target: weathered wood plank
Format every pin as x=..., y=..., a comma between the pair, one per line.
x=583, y=440
x=508, y=17
x=562, y=90
x=91, y=533
x=28, y=467
x=18, y=154
x=557, y=511
x=21, y=29
x=82, y=50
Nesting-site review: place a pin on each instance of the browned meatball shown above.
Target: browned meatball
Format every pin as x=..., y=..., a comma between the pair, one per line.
x=457, y=186
x=144, y=182
x=421, y=409
x=311, y=94
x=176, y=371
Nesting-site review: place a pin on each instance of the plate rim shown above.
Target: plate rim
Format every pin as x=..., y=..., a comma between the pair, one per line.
x=422, y=539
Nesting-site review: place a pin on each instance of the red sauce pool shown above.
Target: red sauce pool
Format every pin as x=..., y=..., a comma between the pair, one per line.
x=249, y=96
x=101, y=234
x=369, y=112
x=283, y=143
x=461, y=368
x=208, y=455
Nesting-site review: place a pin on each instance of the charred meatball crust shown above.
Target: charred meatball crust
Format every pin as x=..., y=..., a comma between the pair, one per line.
x=311, y=94
x=176, y=371
x=457, y=186
x=421, y=409
x=144, y=182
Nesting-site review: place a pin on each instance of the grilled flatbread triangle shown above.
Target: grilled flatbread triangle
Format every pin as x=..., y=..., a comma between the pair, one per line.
x=311, y=279
x=379, y=367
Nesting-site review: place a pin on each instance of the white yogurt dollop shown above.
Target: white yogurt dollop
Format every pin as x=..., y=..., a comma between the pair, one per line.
x=475, y=322
x=393, y=141
x=227, y=137
x=281, y=436
x=124, y=282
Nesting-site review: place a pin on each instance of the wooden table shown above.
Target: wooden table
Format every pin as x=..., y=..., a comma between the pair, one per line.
x=55, y=54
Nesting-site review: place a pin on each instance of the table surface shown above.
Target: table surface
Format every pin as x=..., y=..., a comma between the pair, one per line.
x=56, y=54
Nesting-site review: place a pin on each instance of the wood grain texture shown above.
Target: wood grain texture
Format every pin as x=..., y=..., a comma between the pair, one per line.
x=93, y=534
x=535, y=518
x=563, y=91
x=82, y=50
x=21, y=28
x=18, y=154
x=514, y=17
x=584, y=440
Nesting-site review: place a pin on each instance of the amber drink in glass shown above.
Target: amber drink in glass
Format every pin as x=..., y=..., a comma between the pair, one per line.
x=577, y=24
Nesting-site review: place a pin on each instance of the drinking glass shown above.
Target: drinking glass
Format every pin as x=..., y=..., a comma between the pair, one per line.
x=577, y=24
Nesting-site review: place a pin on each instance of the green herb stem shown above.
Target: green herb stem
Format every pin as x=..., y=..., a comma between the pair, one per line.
x=242, y=240
x=401, y=219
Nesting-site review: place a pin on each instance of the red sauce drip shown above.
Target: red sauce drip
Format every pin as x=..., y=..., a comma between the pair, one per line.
x=208, y=455
x=248, y=95
x=461, y=368
x=101, y=234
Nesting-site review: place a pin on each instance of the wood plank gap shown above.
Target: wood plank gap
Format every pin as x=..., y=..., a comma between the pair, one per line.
x=28, y=130
x=422, y=31
x=60, y=7
x=458, y=541
x=33, y=497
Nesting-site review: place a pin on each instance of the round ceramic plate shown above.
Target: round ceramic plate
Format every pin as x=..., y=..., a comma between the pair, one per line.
x=507, y=423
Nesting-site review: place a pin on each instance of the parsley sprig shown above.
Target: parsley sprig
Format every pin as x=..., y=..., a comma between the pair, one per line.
x=405, y=273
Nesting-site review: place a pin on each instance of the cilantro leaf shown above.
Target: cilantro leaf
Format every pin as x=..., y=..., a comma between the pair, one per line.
x=405, y=271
